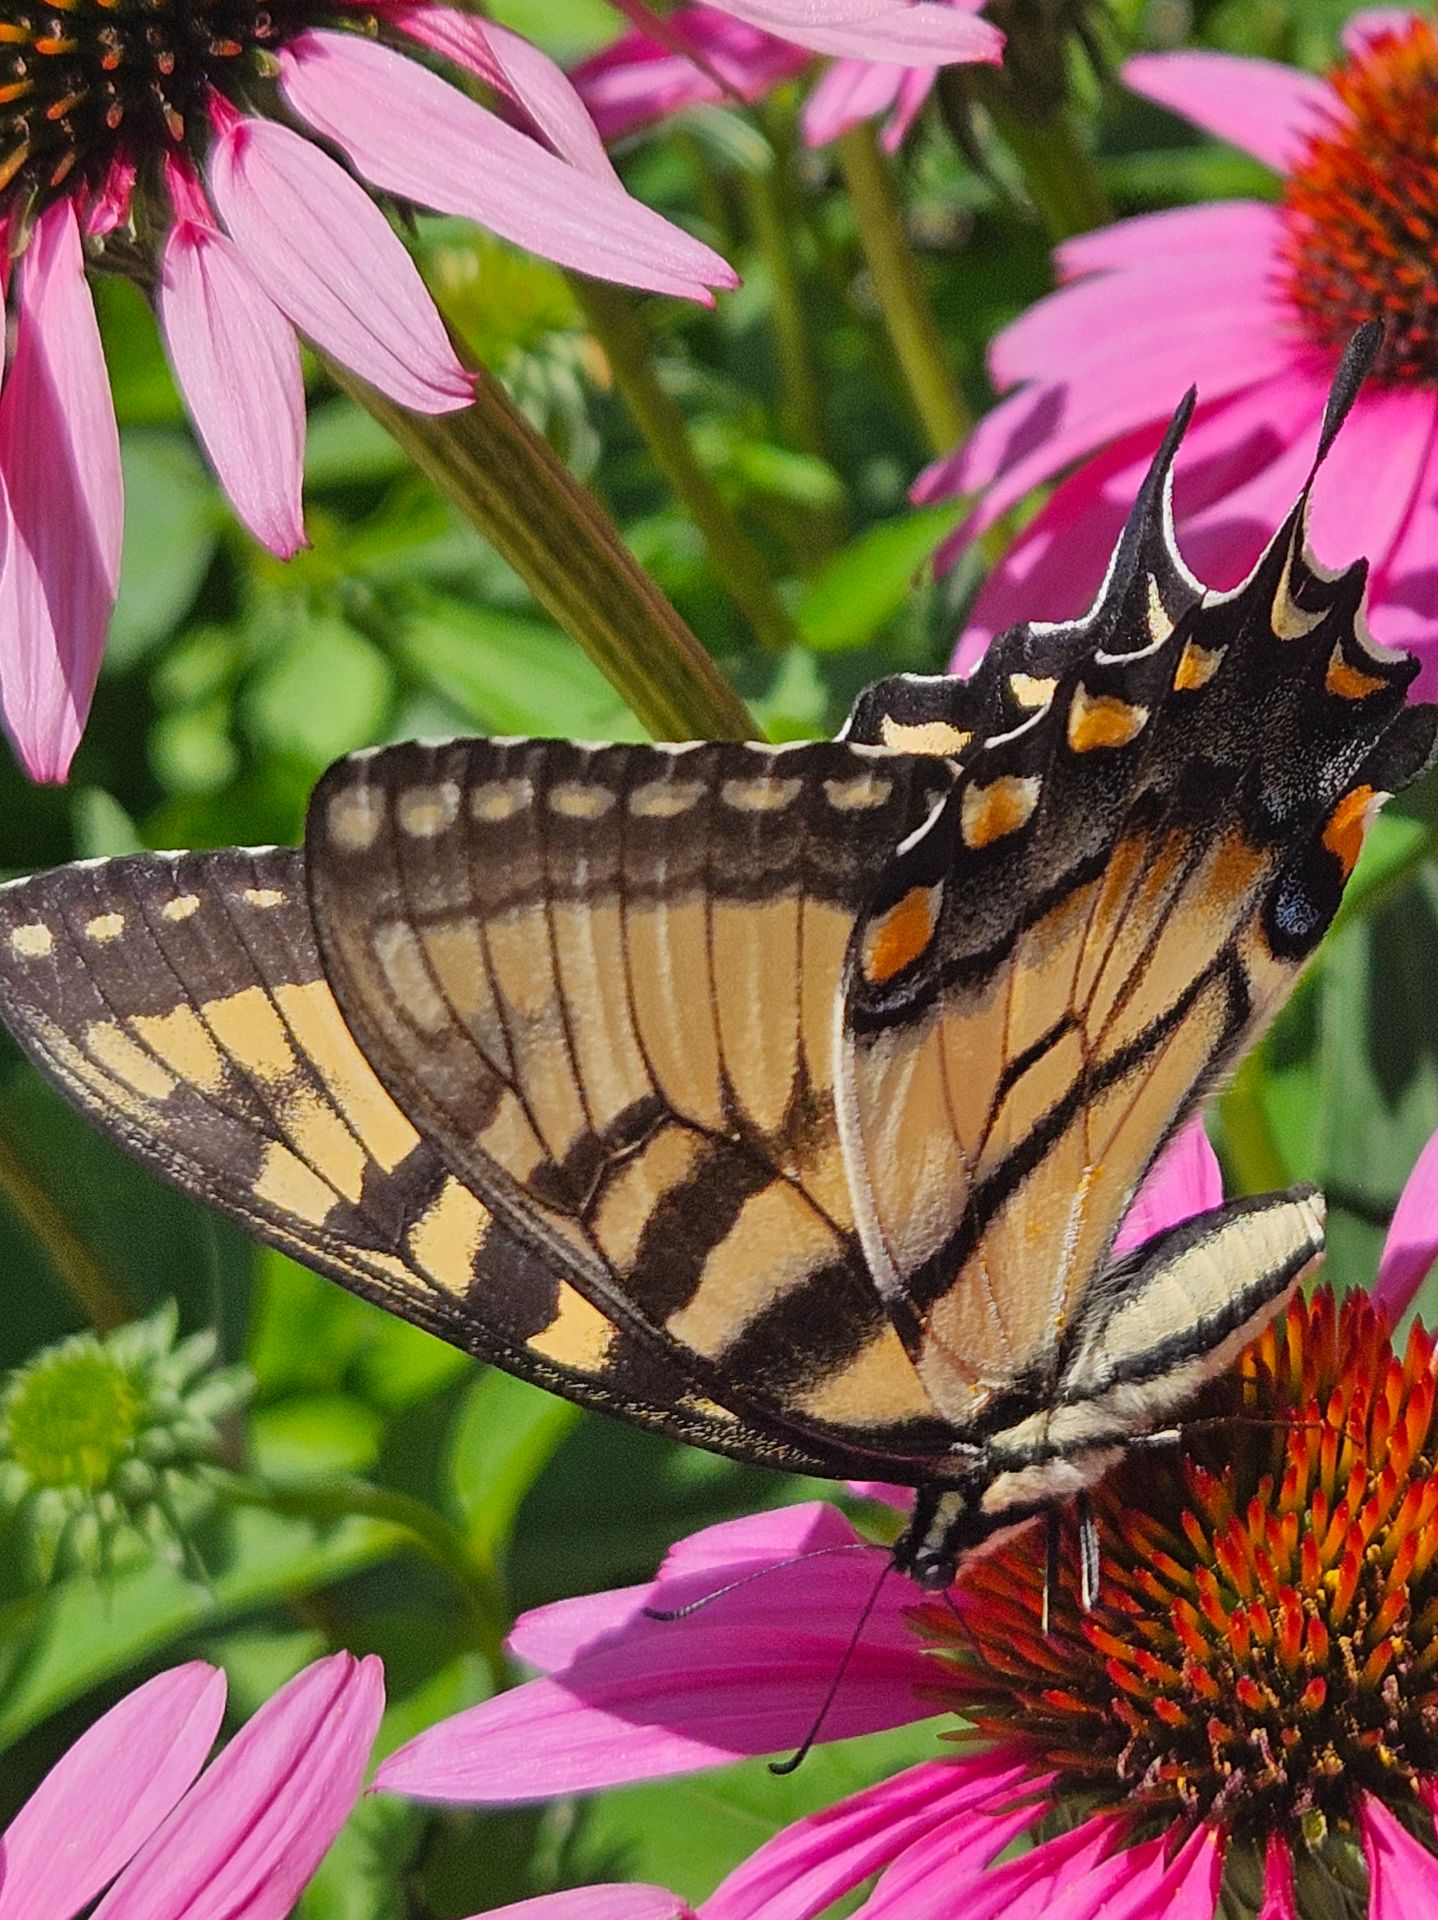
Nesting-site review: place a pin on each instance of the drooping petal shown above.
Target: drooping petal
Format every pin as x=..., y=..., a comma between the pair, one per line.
x=332, y=264
x=1402, y=614
x=1184, y=1180
x=847, y=92
x=1412, y=1244
x=1279, y=1902
x=639, y=79
x=921, y=34
x=805, y=1868
x=60, y=461
x=614, y=1901
x=1265, y=108
x=1402, y=1875
x=247, y=1839
x=237, y=362
x=100, y=1803
x=516, y=67
x=412, y=134
x=1187, y=240
x=745, y=1674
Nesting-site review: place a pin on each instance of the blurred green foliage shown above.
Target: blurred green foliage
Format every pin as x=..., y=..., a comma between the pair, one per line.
x=232, y=681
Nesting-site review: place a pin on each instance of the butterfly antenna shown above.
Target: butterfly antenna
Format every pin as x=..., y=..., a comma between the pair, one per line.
x=747, y=1579
x=796, y=1759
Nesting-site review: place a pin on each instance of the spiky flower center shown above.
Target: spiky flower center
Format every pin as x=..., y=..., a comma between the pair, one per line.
x=1265, y=1645
x=86, y=83
x=1361, y=207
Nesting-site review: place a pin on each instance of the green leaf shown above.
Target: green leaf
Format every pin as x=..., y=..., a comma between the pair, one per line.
x=857, y=591
x=173, y=518
x=505, y=1437
x=325, y=691
x=323, y=1436
x=510, y=674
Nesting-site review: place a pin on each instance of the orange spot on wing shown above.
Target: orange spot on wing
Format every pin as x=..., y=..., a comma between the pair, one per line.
x=896, y=941
x=1348, y=683
x=1347, y=824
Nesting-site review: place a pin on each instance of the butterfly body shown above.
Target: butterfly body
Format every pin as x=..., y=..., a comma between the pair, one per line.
x=786, y=1100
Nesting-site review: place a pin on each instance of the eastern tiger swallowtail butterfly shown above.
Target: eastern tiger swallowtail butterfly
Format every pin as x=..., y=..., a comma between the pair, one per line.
x=784, y=1099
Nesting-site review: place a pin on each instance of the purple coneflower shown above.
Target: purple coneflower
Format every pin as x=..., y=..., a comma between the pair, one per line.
x=1249, y=1711
x=1253, y=302
x=128, y=1800
x=191, y=147
x=885, y=59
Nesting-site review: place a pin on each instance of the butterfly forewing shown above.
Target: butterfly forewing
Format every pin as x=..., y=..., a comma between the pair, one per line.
x=180, y=1002
x=605, y=982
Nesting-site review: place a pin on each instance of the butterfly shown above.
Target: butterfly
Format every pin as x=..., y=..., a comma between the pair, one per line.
x=783, y=1099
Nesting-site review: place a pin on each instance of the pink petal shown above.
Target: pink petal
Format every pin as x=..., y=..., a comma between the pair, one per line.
x=638, y=79
x=1402, y=1875
x=809, y=1865
x=744, y=1675
x=1364, y=496
x=247, y=1840
x=550, y=1637
x=60, y=464
x=1412, y=1243
x=1222, y=231
x=882, y=1490
x=514, y=67
x=1403, y=610
x=330, y=261
x=946, y=1874
x=1360, y=30
x=1241, y=463
x=847, y=92
x=910, y=35
x=1184, y=1180
x=914, y=90
x=100, y=1803
x=1279, y=1902
x=611, y=1902
x=1267, y=109
x=410, y=133
x=238, y=365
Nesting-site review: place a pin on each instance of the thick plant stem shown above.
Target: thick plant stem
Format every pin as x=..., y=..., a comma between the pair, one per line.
x=918, y=344
x=738, y=562
x=104, y=1303
x=508, y=482
x=1058, y=170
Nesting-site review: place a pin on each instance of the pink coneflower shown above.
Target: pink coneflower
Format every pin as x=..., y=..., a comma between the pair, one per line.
x=164, y=141
x=886, y=56
x=1253, y=303
x=1252, y=1705
x=245, y=1837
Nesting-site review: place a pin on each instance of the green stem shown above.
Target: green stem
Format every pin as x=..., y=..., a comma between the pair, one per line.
x=1058, y=169
x=477, y=1579
x=508, y=482
x=104, y=1303
x=773, y=218
x=738, y=562
x=919, y=347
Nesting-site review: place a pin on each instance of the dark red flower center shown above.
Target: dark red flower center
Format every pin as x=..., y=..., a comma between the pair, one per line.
x=1361, y=207
x=84, y=83
x=1265, y=1645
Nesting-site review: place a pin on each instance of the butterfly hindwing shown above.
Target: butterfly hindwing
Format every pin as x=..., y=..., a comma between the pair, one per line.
x=179, y=1001
x=1114, y=898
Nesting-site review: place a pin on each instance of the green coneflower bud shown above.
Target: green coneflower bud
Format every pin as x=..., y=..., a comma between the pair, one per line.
x=114, y=1436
